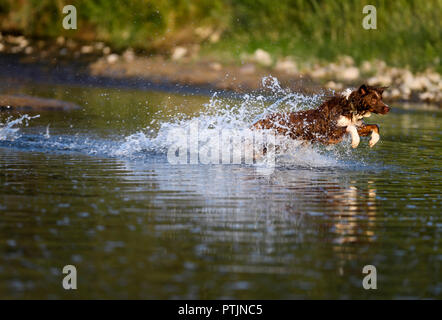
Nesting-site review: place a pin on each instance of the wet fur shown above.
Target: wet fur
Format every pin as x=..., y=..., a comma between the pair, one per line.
x=332, y=120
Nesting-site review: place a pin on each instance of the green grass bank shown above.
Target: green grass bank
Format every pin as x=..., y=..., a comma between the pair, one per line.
x=408, y=32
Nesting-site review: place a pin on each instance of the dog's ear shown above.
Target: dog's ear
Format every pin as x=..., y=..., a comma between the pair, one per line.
x=380, y=90
x=363, y=89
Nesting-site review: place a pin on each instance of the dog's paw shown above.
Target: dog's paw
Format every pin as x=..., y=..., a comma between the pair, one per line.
x=355, y=139
x=355, y=143
x=374, y=139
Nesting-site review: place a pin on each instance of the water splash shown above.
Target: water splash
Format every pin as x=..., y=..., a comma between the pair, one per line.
x=47, y=135
x=218, y=115
x=9, y=130
x=236, y=116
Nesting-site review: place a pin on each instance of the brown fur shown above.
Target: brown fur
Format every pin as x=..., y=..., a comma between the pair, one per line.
x=320, y=124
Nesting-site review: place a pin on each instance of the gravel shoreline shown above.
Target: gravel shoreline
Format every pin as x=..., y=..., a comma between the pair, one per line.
x=184, y=68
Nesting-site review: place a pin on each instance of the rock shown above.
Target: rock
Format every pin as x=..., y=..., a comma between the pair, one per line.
x=391, y=72
x=20, y=41
x=16, y=49
x=405, y=91
x=23, y=43
x=427, y=96
x=178, y=53
x=379, y=80
x=60, y=40
x=44, y=54
x=394, y=93
x=129, y=55
x=203, y=32
x=112, y=58
x=425, y=82
x=99, y=46
x=29, y=50
x=333, y=85
x=434, y=87
x=215, y=66
x=418, y=83
x=71, y=44
x=87, y=49
x=348, y=74
x=333, y=69
x=406, y=77
x=262, y=57
x=247, y=69
x=318, y=73
x=106, y=50
x=214, y=37
x=433, y=76
x=346, y=61
x=286, y=65
x=379, y=65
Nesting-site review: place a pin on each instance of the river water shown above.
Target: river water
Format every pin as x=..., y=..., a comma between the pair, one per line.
x=94, y=188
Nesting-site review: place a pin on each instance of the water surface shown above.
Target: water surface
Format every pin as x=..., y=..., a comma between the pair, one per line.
x=92, y=189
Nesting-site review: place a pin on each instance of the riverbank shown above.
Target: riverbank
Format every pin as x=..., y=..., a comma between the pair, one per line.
x=407, y=33
x=95, y=63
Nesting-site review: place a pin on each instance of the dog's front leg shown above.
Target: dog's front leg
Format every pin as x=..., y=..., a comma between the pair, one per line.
x=355, y=139
x=366, y=129
x=374, y=139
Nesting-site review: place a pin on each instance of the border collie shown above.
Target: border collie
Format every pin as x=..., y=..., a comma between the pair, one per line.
x=328, y=124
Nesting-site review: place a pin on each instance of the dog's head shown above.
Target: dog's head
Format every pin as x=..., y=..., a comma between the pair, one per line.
x=368, y=99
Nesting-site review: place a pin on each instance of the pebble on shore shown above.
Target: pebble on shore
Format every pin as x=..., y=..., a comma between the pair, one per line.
x=178, y=53
x=286, y=65
x=262, y=57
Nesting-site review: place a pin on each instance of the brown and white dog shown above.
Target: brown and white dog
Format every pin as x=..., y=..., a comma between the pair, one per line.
x=328, y=124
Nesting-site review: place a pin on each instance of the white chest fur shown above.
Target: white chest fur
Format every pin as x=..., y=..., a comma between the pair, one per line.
x=354, y=120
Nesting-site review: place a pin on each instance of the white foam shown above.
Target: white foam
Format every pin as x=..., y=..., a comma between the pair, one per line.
x=9, y=131
x=346, y=93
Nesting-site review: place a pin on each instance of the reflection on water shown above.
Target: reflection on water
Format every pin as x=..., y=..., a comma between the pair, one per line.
x=141, y=228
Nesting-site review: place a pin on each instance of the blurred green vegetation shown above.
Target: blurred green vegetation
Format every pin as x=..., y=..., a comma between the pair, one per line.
x=408, y=32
